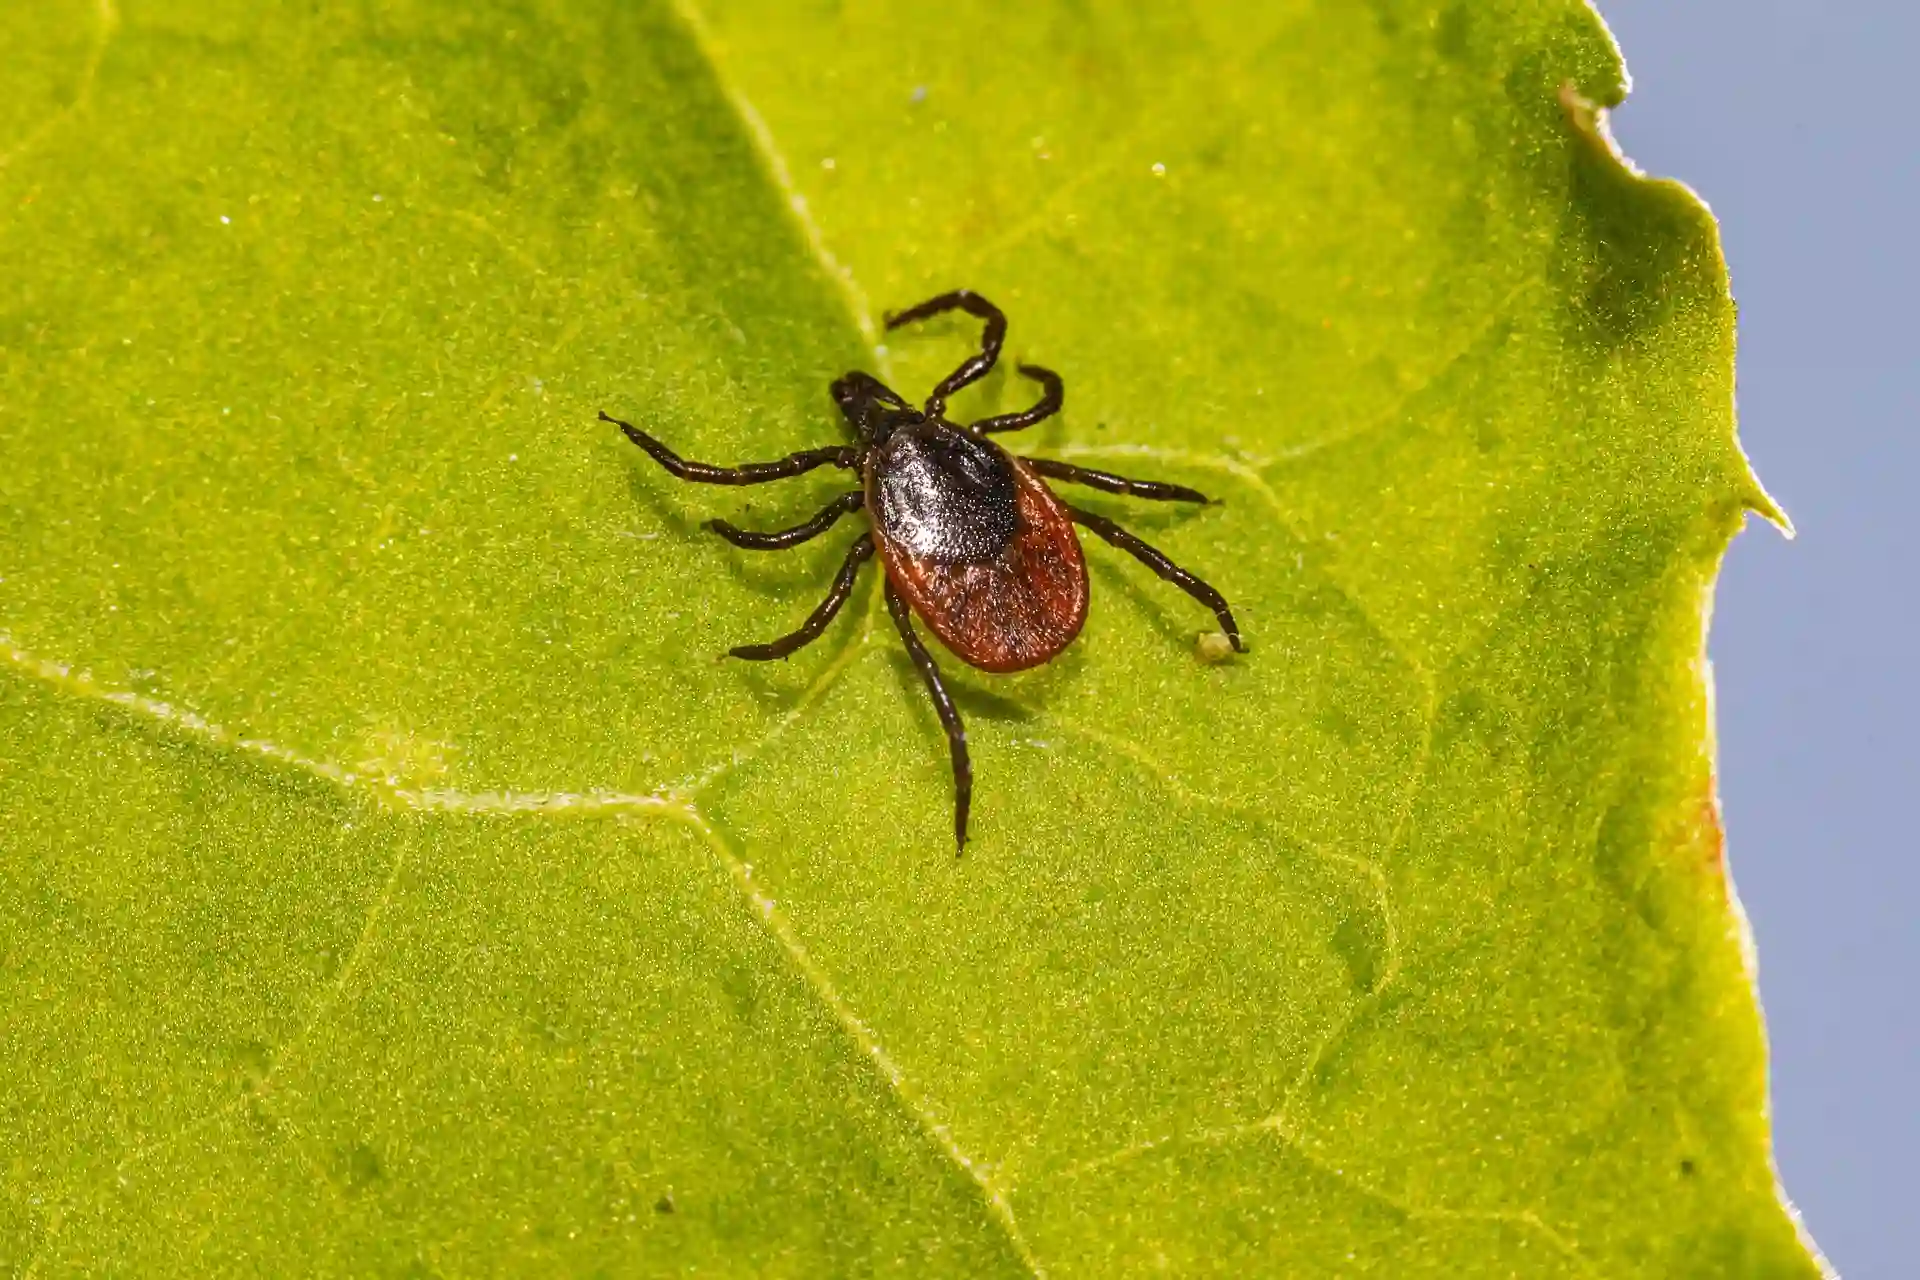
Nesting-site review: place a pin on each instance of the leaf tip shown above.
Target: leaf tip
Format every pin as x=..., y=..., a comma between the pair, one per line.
x=1757, y=500
x=1589, y=121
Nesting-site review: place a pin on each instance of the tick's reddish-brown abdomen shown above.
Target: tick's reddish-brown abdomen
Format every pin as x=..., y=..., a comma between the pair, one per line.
x=1014, y=611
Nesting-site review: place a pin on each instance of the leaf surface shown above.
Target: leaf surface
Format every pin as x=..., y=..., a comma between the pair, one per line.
x=397, y=879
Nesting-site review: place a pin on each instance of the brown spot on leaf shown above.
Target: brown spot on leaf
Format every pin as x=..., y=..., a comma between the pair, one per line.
x=1696, y=834
x=1711, y=838
x=360, y=1167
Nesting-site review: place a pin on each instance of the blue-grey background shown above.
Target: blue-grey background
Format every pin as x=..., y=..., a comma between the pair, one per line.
x=1797, y=121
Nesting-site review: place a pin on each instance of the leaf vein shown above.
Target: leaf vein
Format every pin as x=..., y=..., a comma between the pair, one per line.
x=386, y=788
x=141, y=1152
x=911, y=1098
x=1245, y=469
x=1448, y=361
x=763, y=140
x=1392, y=968
x=107, y=21
x=829, y=676
x=1162, y=774
x=1273, y=1128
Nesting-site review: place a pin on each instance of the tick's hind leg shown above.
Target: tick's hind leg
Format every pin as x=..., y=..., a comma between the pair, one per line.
x=1157, y=561
x=751, y=473
x=781, y=539
x=1053, y=394
x=1107, y=482
x=974, y=367
x=823, y=613
x=949, y=716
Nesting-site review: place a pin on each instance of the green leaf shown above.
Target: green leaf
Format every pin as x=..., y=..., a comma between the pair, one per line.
x=395, y=879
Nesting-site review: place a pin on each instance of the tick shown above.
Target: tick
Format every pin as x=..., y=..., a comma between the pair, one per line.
x=971, y=537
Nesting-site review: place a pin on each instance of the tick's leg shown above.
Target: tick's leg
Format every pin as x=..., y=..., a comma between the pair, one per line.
x=973, y=367
x=949, y=717
x=752, y=473
x=817, y=621
x=857, y=386
x=1107, y=482
x=1156, y=561
x=1052, y=395
x=781, y=539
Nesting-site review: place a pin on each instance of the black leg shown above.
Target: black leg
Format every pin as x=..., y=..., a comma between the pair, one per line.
x=817, y=621
x=781, y=539
x=1053, y=394
x=973, y=367
x=1107, y=482
x=869, y=405
x=949, y=717
x=857, y=387
x=752, y=473
x=1166, y=568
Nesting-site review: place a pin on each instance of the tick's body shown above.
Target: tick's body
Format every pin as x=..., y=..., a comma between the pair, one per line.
x=979, y=547
x=971, y=538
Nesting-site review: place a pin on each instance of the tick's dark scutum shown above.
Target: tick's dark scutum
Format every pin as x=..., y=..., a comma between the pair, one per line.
x=943, y=495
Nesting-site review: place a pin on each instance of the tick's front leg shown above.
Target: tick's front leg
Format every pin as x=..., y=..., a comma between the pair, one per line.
x=751, y=473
